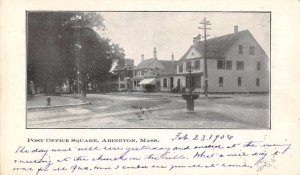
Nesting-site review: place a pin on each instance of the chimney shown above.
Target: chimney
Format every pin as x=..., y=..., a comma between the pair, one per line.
x=142, y=57
x=154, y=53
x=172, y=57
x=196, y=38
x=236, y=29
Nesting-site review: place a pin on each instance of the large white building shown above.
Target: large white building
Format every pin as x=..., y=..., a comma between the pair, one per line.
x=235, y=62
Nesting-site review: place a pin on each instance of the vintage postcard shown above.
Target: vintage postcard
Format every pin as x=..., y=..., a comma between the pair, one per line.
x=101, y=88
x=122, y=69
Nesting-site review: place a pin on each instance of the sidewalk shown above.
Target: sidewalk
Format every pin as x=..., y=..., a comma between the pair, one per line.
x=168, y=94
x=40, y=101
x=147, y=94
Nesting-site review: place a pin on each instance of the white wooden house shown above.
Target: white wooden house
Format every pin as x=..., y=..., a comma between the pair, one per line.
x=235, y=62
x=146, y=75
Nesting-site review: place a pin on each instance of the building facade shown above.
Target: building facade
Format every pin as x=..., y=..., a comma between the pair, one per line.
x=146, y=75
x=235, y=63
x=125, y=74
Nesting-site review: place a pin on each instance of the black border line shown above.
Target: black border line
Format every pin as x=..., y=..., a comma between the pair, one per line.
x=270, y=94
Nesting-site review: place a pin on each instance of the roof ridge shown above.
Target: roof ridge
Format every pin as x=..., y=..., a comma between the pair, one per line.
x=228, y=35
x=220, y=44
x=166, y=60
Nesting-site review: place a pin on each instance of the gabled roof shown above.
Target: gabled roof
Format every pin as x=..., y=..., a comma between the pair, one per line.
x=217, y=46
x=168, y=64
x=162, y=64
x=169, y=67
x=145, y=63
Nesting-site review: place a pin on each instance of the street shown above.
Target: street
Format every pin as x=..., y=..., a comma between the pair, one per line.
x=156, y=111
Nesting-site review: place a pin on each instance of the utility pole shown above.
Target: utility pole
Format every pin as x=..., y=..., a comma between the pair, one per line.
x=81, y=34
x=205, y=23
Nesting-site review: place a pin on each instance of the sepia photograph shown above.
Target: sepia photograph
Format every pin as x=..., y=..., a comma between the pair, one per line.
x=148, y=69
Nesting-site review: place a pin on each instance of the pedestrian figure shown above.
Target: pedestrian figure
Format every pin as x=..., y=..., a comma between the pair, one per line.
x=48, y=101
x=141, y=113
x=29, y=92
x=31, y=86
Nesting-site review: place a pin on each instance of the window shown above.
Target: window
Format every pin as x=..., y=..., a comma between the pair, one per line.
x=138, y=83
x=180, y=68
x=193, y=54
x=165, y=82
x=220, y=81
x=251, y=50
x=257, y=82
x=134, y=83
x=198, y=81
x=197, y=64
x=240, y=65
x=239, y=81
x=220, y=64
x=171, y=82
x=240, y=49
x=258, y=66
x=121, y=77
x=188, y=65
x=153, y=72
x=122, y=86
x=142, y=72
x=228, y=65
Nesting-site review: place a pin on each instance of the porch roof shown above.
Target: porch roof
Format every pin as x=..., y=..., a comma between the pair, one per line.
x=148, y=81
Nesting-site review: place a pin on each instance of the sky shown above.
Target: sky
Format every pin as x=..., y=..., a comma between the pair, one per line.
x=172, y=32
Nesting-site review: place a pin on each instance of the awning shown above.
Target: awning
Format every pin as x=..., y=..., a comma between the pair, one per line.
x=148, y=81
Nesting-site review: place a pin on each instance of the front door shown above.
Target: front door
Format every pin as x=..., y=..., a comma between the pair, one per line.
x=178, y=83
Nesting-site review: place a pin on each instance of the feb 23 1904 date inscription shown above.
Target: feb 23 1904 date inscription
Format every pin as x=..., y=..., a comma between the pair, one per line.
x=186, y=151
x=104, y=140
